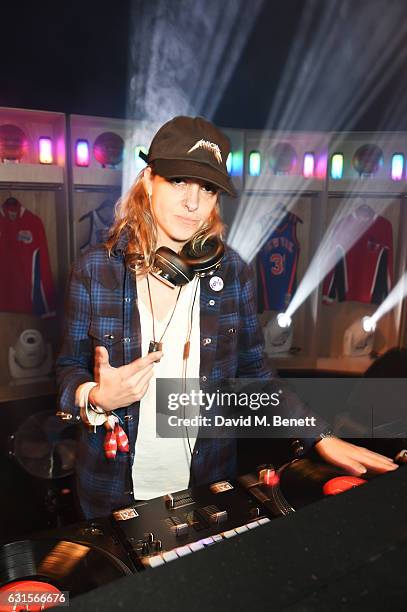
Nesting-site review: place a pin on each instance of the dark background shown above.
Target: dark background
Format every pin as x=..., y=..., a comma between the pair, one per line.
x=71, y=57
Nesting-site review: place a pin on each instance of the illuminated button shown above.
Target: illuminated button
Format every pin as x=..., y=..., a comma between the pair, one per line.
x=196, y=546
x=263, y=521
x=253, y=525
x=170, y=555
x=183, y=550
x=217, y=537
x=241, y=529
x=155, y=561
x=208, y=541
x=229, y=534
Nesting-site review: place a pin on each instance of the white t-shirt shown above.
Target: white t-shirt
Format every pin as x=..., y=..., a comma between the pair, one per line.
x=162, y=465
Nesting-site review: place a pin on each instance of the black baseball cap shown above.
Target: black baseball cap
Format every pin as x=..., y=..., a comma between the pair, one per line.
x=191, y=147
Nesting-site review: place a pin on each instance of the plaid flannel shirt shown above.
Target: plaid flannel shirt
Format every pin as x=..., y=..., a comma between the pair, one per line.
x=102, y=309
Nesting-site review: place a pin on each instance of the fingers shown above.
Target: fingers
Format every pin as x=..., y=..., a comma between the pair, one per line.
x=139, y=364
x=101, y=356
x=375, y=461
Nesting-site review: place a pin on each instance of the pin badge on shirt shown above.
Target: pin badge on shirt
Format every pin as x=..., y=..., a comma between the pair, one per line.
x=216, y=283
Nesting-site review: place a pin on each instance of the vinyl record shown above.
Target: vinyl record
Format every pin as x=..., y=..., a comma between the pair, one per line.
x=304, y=481
x=66, y=565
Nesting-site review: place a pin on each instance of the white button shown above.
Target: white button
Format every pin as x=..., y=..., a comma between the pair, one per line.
x=127, y=299
x=229, y=534
x=241, y=529
x=211, y=302
x=196, y=546
x=206, y=341
x=170, y=556
x=204, y=378
x=253, y=525
x=126, y=339
x=183, y=550
x=155, y=561
x=208, y=541
x=264, y=520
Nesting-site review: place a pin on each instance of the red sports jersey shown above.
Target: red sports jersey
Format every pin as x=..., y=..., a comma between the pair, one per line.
x=25, y=272
x=364, y=272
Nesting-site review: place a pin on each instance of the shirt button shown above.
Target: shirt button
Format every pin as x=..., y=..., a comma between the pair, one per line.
x=204, y=378
x=109, y=336
x=127, y=299
x=211, y=302
x=197, y=452
x=126, y=339
x=129, y=417
x=206, y=341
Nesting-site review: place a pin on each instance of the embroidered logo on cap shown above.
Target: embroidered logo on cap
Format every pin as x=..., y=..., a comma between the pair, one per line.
x=208, y=146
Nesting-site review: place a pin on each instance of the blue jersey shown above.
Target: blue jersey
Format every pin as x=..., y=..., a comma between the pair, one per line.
x=277, y=266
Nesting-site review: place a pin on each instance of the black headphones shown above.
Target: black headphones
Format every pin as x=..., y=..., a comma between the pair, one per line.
x=177, y=269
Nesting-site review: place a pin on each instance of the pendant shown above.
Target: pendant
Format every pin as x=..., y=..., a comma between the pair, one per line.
x=155, y=346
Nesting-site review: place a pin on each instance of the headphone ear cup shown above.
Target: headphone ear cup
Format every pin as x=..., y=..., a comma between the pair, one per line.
x=172, y=268
x=206, y=258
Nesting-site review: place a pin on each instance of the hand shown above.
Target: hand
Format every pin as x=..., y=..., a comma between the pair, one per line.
x=118, y=387
x=354, y=459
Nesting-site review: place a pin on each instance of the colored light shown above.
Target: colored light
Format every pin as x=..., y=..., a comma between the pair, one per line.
x=229, y=163
x=337, y=166
x=237, y=163
x=46, y=151
x=140, y=163
x=397, y=166
x=308, y=167
x=82, y=153
x=254, y=163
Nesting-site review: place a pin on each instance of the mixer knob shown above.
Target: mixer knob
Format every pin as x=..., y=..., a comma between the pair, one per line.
x=156, y=546
x=169, y=500
x=218, y=517
x=149, y=537
x=181, y=529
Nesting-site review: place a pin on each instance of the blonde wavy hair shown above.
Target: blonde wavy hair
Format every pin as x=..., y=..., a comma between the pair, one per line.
x=134, y=217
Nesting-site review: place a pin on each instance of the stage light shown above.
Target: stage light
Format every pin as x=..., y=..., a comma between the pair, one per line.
x=45, y=155
x=337, y=166
x=254, y=163
x=308, y=166
x=283, y=320
x=397, y=166
x=368, y=324
x=82, y=153
x=359, y=337
x=140, y=163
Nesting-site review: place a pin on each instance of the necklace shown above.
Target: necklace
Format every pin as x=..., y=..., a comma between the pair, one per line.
x=155, y=346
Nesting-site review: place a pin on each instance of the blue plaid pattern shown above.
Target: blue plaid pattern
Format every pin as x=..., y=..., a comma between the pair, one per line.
x=102, y=309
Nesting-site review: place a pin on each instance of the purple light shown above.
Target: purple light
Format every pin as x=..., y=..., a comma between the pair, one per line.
x=308, y=167
x=397, y=165
x=82, y=153
x=46, y=151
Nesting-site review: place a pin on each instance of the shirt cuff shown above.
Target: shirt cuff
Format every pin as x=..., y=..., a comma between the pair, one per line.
x=93, y=417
